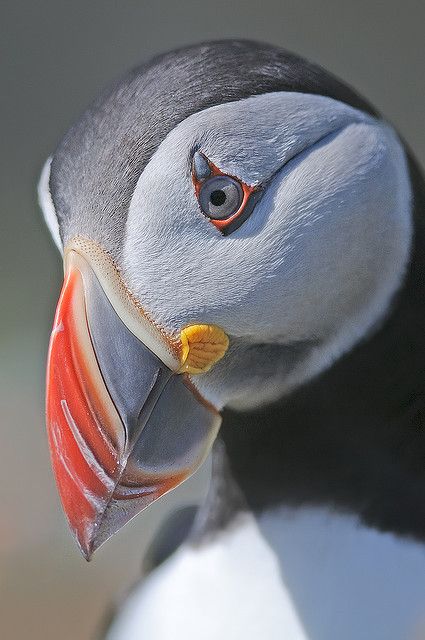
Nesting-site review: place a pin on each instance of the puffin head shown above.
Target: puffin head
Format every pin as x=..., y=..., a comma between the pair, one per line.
x=232, y=219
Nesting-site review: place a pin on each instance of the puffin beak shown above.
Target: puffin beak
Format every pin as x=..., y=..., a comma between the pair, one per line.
x=125, y=426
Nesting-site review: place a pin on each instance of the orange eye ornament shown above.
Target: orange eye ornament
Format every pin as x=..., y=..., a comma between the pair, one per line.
x=225, y=200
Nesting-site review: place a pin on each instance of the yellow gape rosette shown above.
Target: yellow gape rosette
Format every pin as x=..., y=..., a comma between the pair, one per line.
x=202, y=346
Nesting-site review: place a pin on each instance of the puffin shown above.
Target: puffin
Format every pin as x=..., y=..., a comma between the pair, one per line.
x=244, y=279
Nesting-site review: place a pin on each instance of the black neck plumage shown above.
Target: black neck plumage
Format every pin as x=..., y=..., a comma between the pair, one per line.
x=351, y=439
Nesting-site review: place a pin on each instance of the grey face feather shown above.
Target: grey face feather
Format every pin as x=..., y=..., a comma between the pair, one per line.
x=313, y=268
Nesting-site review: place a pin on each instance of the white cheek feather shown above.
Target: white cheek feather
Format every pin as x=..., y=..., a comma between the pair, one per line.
x=47, y=206
x=171, y=248
x=306, y=574
x=319, y=260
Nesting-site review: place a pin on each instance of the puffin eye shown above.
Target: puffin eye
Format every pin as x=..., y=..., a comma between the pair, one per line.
x=220, y=197
x=224, y=199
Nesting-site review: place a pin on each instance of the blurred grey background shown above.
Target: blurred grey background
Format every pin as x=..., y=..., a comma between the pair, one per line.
x=55, y=56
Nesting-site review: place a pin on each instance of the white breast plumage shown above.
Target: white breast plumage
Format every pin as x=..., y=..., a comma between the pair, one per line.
x=294, y=575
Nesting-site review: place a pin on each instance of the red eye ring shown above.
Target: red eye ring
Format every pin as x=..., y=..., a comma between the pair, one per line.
x=250, y=197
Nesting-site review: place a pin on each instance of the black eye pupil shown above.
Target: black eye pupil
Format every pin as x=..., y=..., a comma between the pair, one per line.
x=218, y=197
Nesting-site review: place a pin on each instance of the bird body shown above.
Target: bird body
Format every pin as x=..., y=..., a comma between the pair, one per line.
x=232, y=189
